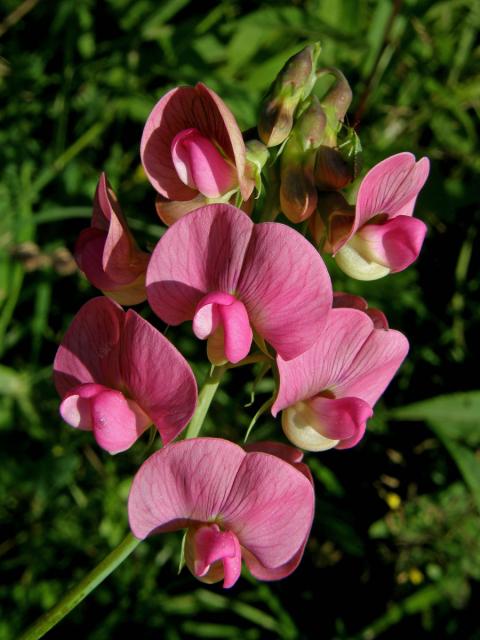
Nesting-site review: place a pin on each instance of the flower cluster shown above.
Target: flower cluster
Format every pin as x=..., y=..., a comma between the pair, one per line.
x=244, y=281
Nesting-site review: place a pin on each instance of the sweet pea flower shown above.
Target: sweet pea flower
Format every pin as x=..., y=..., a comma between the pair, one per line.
x=327, y=394
x=234, y=504
x=192, y=151
x=233, y=278
x=382, y=236
x=107, y=252
x=116, y=375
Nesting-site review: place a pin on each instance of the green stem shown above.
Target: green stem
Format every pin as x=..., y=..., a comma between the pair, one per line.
x=125, y=548
x=204, y=400
x=82, y=589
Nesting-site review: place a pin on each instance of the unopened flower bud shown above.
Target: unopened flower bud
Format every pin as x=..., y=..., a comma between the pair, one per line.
x=298, y=194
x=293, y=84
x=332, y=221
x=332, y=170
x=339, y=95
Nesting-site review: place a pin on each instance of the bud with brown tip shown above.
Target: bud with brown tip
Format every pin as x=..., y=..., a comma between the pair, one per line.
x=293, y=84
x=298, y=194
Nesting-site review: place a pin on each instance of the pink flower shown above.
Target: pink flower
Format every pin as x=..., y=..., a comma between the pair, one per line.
x=117, y=375
x=384, y=237
x=107, y=252
x=234, y=278
x=235, y=505
x=193, y=150
x=328, y=393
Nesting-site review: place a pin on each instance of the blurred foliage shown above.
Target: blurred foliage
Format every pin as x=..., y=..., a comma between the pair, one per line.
x=394, y=548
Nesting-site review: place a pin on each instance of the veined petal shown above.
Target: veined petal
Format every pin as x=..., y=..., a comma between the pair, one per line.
x=285, y=287
x=169, y=211
x=391, y=187
x=157, y=376
x=395, y=244
x=89, y=350
x=184, y=108
x=269, y=508
x=373, y=367
x=186, y=482
x=319, y=369
x=202, y=252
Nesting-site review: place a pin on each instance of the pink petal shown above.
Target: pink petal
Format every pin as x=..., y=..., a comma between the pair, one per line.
x=186, y=482
x=374, y=366
x=107, y=252
x=391, y=187
x=269, y=508
x=213, y=545
x=395, y=244
x=342, y=419
x=319, y=369
x=89, y=350
x=184, y=108
x=201, y=253
x=75, y=407
x=221, y=308
x=200, y=165
x=117, y=422
x=285, y=287
x=157, y=376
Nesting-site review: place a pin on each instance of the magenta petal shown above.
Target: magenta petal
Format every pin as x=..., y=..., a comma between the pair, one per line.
x=391, y=187
x=117, y=422
x=342, y=418
x=374, y=366
x=213, y=545
x=269, y=508
x=238, y=333
x=320, y=368
x=75, y=407
x=157, y=376
x=89, y=349
x=89, y=250
x=186, y=482
x=200, y=165
x=396, y=243
x=185, y=108
x=202, y=252
x=285, y=287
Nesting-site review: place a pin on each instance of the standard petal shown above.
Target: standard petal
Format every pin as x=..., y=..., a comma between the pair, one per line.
x=201, y=253
x=285, y=287
x=269, y=508
x=157, y=376
x=186, y=482
x=394, y=244
x=374, y=366
x=116, y=421
x=89, y=349
x=184, y=108
x=319, y=369
x=391, y=187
